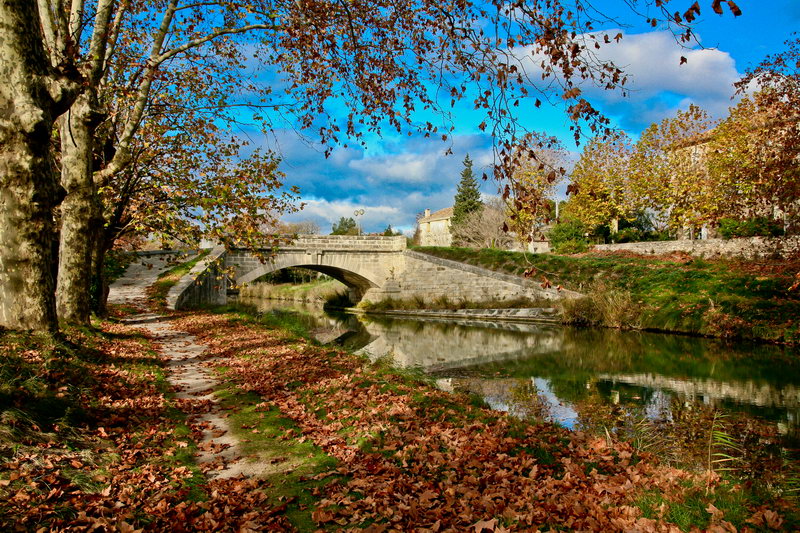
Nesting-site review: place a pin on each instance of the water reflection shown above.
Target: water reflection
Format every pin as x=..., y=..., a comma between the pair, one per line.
x=569, y=375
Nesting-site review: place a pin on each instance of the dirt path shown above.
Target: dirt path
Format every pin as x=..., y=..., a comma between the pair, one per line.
x=190, y=371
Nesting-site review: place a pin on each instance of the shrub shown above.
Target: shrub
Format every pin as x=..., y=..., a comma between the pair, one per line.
x=571, y=247
x=627, y=235
x=756, y=226
x=637, y=235
x=603, y=305
x=568, y=237
x=338, y=300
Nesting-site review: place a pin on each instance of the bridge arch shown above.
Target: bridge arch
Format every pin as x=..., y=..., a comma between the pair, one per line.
x=356, y=279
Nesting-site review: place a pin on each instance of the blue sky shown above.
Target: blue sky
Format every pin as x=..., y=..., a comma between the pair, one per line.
x=397, y=177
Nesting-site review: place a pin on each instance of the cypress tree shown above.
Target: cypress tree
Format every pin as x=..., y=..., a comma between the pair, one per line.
x=468, y=197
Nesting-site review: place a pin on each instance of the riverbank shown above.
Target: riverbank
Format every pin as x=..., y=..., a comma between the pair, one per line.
x=313, y=291
x=446, y=457
x=351, y=444
x=674, y=293
x=92, y=434
x=546, y=315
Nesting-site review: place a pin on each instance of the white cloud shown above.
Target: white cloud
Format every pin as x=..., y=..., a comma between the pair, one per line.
x=392, y=181
x=423, y=162
x=653, y=64
x=327, y=212
x=657, y=83
x=398, y=168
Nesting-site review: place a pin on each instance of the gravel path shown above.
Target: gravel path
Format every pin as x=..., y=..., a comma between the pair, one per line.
x=190, y=371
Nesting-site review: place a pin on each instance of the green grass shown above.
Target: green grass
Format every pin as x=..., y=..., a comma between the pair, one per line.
x=716, y=298
x=289, y=321
x=291, y=466
x=313, y=291
x=691, y=510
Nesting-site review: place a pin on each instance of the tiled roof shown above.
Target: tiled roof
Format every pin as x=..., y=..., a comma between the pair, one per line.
x=441, y=214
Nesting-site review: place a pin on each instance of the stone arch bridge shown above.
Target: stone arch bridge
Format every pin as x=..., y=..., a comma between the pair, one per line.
x=373, y=268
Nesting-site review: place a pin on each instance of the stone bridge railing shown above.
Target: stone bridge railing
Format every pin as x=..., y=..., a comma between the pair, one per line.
x=366, y=243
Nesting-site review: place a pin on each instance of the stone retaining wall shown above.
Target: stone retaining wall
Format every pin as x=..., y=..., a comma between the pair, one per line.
x=430, y=278
x=747, y=248
x=205, y=284
x=476, y=316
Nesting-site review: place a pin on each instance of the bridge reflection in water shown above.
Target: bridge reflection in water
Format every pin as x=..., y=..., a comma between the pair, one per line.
x=556, y=371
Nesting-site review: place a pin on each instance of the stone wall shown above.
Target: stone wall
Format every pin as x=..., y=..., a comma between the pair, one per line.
x=205, y=284
x=369, y=243
x=428, y=277
x=748, y=248
x=436, y=233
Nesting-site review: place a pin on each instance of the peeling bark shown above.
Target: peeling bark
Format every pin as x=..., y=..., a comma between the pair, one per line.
x=31, y=95
x=81, y=220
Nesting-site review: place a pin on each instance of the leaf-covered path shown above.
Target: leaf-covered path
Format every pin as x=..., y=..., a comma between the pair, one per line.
x=190, y=370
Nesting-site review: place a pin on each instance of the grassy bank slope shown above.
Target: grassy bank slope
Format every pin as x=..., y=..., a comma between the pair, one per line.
x=313, y=291
x=679, y=293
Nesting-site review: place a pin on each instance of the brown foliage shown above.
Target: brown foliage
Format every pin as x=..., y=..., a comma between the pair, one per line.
x=114, y=472
x=414, y=457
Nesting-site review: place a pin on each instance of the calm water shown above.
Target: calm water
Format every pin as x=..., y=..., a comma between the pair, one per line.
x=589, y=378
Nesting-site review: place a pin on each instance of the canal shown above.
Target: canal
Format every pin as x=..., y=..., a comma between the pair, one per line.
x=667, y=394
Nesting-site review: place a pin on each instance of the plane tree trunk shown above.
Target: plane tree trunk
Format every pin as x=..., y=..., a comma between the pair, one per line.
x=32, y=94
x=81, y=220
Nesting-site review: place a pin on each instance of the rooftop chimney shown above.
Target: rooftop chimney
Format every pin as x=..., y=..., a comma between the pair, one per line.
x=427, y=213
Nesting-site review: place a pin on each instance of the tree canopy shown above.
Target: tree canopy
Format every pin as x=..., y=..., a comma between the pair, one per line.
x=345, y=226
x=340, y=71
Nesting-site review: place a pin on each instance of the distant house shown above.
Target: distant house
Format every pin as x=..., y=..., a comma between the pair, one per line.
x=434, y=228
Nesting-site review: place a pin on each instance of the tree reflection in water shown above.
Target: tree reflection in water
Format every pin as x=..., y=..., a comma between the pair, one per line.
x=659, y=391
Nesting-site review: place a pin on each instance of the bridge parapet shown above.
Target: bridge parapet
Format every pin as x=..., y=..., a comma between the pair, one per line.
x=368, y=243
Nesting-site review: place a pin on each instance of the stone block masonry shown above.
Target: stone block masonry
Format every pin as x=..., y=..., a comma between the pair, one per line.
x=746, y=248
x=205, y=284
x=430, y=278
x=374, y=268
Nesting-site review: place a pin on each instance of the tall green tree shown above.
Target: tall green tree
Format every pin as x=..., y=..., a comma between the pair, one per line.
x=345, y=226
x=468, y=196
